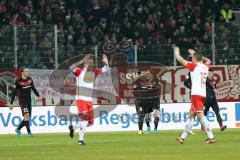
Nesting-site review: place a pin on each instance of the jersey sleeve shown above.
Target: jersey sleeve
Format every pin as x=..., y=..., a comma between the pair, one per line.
x=190, y=65
x=101, y=70
x=14, y=92
x=97, y=72
x=77, y=71
x=34, y=89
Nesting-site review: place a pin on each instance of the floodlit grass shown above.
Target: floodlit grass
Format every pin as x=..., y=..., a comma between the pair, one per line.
x=121, y=145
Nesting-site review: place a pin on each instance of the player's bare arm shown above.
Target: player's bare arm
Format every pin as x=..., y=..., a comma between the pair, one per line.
x=179, y=58
x=73, y=66
x=105, y=60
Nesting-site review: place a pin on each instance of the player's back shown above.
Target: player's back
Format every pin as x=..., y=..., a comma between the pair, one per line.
x=198, y=79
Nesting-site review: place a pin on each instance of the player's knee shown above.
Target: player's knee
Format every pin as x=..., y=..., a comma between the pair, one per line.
x=137, y=109
x=156, y=119
x=192, y=115
x=200, y=115
x=156, y=113
x=147, y=116
x=26, y=117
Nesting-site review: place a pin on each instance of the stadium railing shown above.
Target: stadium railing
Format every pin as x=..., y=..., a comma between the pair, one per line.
x=45, y=47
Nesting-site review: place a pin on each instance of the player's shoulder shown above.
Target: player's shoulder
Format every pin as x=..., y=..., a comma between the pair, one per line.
x=98, y=71
x=78, y=68
x=207, y=64
x=29, y=79
x=18, y=79
x=200, y=65
x=204, y=65
x=190, y=65
x=77, y=71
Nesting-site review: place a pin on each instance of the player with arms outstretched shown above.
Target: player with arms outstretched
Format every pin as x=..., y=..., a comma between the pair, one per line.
x=85, y=78
x=199, y=70
x=23, y=87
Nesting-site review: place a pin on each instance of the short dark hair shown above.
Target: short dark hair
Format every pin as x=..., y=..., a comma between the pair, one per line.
x=23, y=68
x=197, y=56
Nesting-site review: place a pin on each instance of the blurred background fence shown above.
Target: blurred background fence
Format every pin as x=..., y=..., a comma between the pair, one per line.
x=47, y=47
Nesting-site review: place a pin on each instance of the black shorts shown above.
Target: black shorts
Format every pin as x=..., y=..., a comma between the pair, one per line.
x=155, y=103
x=146, y=105
x=26, y=109
x=143, y=108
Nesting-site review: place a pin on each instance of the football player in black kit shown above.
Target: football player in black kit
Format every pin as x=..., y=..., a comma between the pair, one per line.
x=23, y=87
x=147, y=91
x=211, y=100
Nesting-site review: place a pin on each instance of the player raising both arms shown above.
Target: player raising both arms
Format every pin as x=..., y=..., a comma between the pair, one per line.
x=23, y=87
x=85, y=78
x=199, y=70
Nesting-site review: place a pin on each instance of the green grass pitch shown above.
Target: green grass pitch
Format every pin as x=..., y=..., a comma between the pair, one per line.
x=121, y=145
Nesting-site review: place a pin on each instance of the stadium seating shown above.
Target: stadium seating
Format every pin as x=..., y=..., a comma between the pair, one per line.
x=153, y=25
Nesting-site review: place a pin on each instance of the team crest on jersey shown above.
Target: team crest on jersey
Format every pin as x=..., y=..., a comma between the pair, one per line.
x=89, y=77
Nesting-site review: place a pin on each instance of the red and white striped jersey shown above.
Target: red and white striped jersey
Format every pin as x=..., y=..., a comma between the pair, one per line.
x=199, y=73
x=85, y=82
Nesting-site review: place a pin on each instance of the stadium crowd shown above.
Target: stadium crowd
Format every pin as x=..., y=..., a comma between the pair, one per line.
x=153, y=25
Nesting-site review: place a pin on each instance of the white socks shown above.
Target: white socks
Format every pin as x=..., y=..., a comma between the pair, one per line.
x=82, y=129
x=77, y=125
x=204, y=123
x=207, y=129
x=188, y=128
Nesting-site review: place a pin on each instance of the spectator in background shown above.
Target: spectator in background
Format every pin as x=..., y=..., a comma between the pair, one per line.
x=85, y=23
x=45, y=44
x=226, y=14
x=130, y=51
x=70, y=51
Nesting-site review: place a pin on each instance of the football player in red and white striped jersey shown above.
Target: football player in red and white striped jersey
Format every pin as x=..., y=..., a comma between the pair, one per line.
x=199, y=70
x=85, y=78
